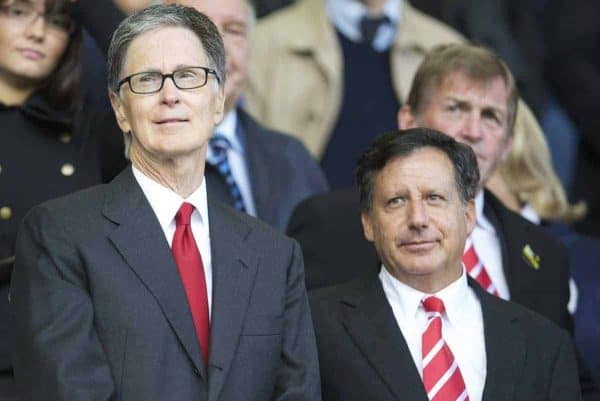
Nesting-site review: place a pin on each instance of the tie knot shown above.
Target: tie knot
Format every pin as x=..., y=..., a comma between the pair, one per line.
x=433, y=304
x=220, y=143
x=369, y=26
x=184, y=214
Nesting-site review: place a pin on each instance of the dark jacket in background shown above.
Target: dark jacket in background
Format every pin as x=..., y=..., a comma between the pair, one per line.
x=573, y=69
x=44, y=153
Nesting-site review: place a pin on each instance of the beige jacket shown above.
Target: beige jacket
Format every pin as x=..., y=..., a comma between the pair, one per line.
x=295, y=79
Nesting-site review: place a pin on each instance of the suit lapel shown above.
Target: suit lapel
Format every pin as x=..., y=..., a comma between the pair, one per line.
x=259, y=171
x=505, y=346
x=140, y=240
x=511, y=245
x=370, y=322
x=234, y=266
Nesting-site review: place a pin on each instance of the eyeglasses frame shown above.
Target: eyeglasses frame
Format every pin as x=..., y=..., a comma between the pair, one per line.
x=128, y=78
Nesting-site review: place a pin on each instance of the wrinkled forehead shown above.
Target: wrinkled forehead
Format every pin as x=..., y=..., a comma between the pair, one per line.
x=427, y=167
x=164, y=49
x=461, y=83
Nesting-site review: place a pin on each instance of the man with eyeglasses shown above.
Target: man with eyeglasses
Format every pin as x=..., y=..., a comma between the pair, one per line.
x=147, y=288
x=257, y=170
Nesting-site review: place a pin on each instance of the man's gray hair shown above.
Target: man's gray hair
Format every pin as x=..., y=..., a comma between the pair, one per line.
x=159, y=16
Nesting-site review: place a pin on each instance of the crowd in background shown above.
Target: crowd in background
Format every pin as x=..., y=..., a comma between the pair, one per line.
x=58, y=134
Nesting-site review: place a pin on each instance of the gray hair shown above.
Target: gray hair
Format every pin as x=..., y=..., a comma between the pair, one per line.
x=160, y=16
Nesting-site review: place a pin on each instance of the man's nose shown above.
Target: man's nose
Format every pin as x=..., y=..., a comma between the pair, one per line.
x=471, y=129
x=417, y=214
x=169, y=94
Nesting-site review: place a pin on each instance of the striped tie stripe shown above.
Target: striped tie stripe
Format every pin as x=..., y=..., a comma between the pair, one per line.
x=441, y=375
x=477, y=270
x=220, y=145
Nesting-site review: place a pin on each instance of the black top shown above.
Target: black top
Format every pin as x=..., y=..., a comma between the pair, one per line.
x=369, y=108
x=45, y=153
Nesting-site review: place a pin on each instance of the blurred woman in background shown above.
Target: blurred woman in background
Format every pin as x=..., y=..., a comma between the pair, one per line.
x=527, y=183
x=47, y=146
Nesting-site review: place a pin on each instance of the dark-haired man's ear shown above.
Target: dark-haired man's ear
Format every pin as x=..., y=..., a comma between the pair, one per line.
x=406, y=118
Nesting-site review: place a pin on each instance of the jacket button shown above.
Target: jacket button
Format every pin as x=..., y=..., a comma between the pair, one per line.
x=196, y=371
x=5, y=213
x=65, y=137
x=67, y=169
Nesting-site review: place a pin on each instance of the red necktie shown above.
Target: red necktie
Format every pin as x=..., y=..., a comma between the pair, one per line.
x=441, y=375
x=191, y=270
x=476, y=269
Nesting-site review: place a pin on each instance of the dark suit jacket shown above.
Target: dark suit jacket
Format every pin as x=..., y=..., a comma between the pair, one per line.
x=329, y=231
x=100, y=312
x=364, y=356
x=282, y=173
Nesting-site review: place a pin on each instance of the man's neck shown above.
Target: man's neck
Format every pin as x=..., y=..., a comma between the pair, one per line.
x=182, y=174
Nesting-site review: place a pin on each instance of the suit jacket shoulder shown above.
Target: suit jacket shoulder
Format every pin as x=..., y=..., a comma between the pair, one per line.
x=282, y=173
x=329, y=230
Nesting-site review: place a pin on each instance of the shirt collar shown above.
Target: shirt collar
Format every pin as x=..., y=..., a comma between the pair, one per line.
x=409, y=299
x=346, y=15
x=482, y=221
x=165, y=203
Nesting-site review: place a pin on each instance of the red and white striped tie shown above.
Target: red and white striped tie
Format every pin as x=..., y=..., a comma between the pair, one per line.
x=441, y=374
x=477, y=270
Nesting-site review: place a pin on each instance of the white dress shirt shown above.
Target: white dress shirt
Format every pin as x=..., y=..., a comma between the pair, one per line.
x=346, y=15
x=488, y=248
x=237, y=159
x=462, y=326
x=165, y=203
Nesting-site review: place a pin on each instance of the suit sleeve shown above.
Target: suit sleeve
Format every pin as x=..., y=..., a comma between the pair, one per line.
x=564, y=385
x=298, y=377
x=56, y=351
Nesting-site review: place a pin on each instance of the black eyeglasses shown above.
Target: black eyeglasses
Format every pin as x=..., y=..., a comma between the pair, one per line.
x=26, y=14
x=183, y=78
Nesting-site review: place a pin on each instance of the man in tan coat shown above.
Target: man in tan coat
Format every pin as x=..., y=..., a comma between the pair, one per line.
x=296, y=78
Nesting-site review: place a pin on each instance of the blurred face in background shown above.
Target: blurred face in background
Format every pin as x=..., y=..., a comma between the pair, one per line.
x=472, y=112
x=32, y=42
x=233, y=18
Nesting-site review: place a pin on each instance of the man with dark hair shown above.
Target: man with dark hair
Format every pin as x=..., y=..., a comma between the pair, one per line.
x=422, y=329
x=147, y=288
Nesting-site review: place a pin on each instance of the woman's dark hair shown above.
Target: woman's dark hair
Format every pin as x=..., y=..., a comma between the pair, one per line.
x=61, y=89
